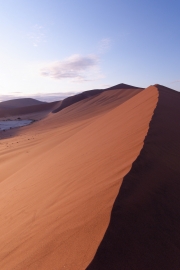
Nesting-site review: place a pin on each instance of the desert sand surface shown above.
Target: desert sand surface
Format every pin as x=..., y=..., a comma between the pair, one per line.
x=144, y=230
x=60, y=177
x=91, y=93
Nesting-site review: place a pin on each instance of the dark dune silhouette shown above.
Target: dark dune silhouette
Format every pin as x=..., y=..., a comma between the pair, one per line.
x=19, y=102
x=123, y=86
x=144, y=230
x=8, y=112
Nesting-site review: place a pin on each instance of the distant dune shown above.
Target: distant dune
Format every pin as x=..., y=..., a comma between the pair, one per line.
x=17, y=111
x=19, y=102
x=123, y=86
x=95, y=185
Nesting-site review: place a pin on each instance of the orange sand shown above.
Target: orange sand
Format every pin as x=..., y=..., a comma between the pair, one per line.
x=60, y=177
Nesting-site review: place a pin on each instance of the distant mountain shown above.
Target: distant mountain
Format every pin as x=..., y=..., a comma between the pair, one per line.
x=20, y=102
x=78, y=97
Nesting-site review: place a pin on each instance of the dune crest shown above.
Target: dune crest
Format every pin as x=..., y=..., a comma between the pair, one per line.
x=56, y=206
x=144, y=229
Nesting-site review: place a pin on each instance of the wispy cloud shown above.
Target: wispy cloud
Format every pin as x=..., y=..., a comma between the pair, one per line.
x=78, y=68
x=104, y=45
x=37, y=35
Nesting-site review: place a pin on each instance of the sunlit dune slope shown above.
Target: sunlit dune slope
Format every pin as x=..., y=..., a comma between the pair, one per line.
x=84, y=110
x=68, y=122
x=55, y=206
x=144, y=230
x=91, y=93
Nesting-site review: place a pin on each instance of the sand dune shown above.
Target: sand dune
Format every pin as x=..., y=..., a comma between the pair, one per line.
x=144, y=229
x=30, y=109
x=60, y=177
x=91, y=93
x=123, y=86
x=66, y=123
x=19, y=102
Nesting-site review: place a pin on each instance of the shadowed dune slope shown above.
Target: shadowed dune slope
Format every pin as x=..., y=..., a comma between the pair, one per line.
x=144, y=230
x=91, y=93
x=19, y=102
x=55, y=207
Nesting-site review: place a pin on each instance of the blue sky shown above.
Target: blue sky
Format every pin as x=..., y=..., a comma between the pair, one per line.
x=65, y=46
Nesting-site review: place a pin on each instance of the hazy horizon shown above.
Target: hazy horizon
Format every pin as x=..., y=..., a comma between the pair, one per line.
x=65, y=46
x=46, y=97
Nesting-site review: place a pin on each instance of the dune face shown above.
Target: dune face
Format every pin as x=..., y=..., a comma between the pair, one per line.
x=91, y=93
x=76, y=98
x=57, y=191
x=144, y=230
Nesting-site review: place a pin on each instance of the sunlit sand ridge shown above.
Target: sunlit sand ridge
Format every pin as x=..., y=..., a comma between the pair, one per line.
x=143, y=232
x=57, y=195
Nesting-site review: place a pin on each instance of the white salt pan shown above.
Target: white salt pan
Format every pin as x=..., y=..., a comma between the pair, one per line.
x=7, y=124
